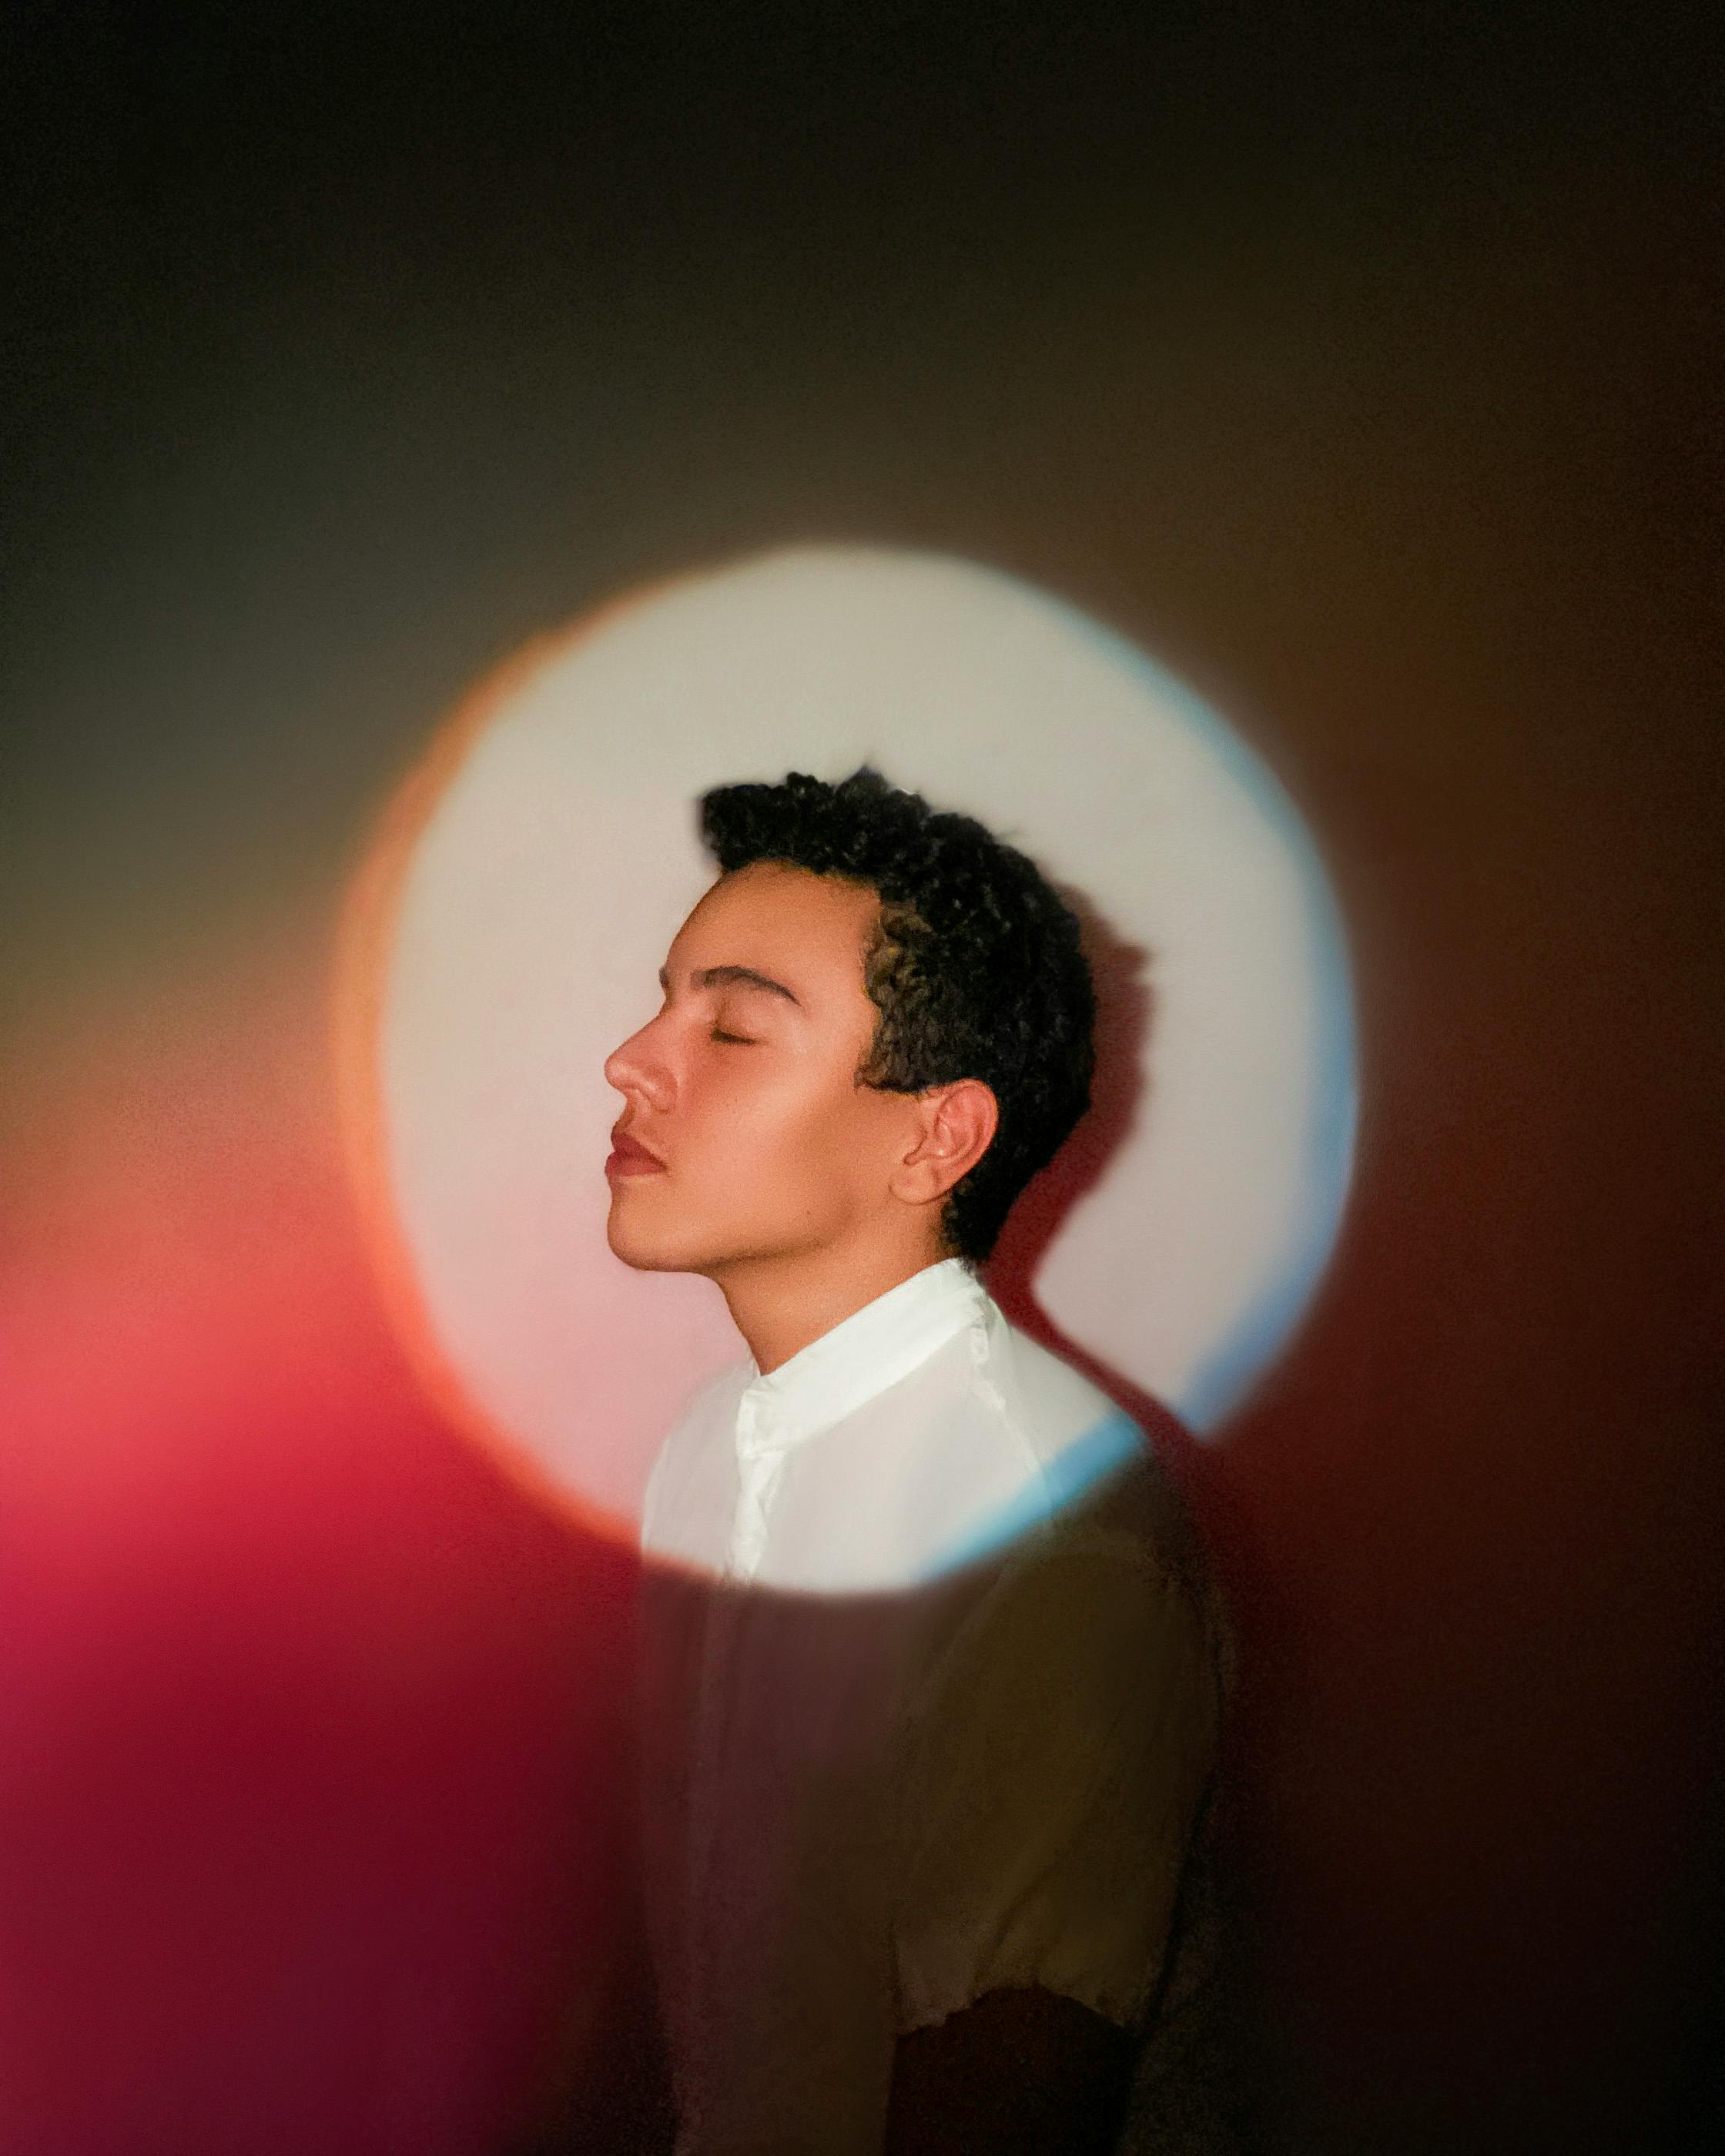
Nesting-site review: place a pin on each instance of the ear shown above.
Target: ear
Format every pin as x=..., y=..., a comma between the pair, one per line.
x=955, y=1126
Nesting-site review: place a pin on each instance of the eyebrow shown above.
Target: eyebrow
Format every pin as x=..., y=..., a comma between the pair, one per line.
x=732, y=977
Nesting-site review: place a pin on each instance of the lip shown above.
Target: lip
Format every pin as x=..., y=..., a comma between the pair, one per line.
x=629, y=1157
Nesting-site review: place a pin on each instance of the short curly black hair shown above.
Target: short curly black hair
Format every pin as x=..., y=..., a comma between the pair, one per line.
x=975, y=964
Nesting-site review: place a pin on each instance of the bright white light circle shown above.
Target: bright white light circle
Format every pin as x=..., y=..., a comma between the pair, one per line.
x=510, y=925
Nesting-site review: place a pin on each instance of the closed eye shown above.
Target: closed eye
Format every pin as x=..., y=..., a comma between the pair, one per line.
x=734, y=1039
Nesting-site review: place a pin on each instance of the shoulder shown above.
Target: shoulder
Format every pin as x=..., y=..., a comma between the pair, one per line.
x=1105, y=1502
x=1053, y=1398
x=1077, y=1433
x=1059, y=1444
x=1068, y=1418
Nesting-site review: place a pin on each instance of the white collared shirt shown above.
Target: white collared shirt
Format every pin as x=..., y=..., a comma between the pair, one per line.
x=915, y=1435
x=930, y=1699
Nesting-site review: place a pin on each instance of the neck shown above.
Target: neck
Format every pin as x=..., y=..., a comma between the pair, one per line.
x=781, y=1306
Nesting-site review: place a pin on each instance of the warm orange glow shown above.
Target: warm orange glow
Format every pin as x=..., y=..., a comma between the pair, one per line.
x=366, y=934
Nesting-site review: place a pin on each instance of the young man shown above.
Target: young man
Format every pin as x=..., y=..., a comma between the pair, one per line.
x=930, y=1678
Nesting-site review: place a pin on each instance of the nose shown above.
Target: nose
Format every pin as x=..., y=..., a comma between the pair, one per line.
x=637, y=1067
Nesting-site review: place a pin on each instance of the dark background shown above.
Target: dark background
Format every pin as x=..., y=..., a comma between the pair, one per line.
x=1364, y=365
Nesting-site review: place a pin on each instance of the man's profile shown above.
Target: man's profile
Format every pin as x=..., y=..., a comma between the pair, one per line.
x=930, y=1688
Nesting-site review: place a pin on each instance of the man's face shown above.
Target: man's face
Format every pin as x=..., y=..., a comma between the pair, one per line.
x=746, y=1091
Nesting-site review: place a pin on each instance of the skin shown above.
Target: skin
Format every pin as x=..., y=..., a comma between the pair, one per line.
x=804, y=1196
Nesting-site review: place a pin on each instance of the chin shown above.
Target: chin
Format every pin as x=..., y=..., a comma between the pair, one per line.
x=643, y=1252
x=650, y=1243
x=648, y=1247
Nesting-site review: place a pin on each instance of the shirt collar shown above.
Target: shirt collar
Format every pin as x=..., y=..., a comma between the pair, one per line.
x=860, y=1357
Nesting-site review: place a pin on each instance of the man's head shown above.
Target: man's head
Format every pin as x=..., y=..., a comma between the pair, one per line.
x=933, y=1051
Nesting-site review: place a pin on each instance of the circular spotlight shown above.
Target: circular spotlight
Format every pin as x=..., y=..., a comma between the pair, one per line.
x=506, y=928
